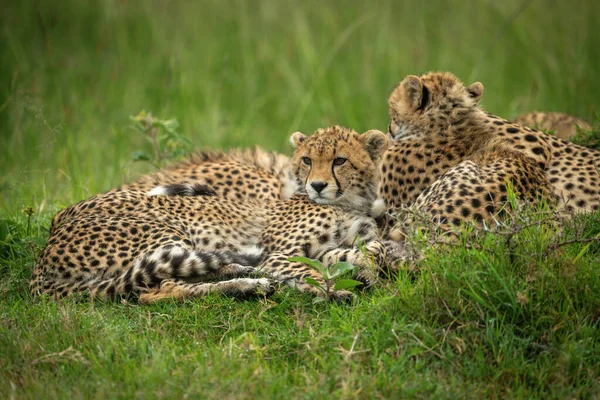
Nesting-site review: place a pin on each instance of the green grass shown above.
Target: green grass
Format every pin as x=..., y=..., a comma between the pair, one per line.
x=514, y=319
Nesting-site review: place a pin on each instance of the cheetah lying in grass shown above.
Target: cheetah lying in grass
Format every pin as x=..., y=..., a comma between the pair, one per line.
x=237, y=174
x=453, y=160
x=127, y=242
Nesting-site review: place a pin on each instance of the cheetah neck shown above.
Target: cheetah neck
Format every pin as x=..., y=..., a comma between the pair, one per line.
x=468, y=132
x=416, y=161
x=463, y=135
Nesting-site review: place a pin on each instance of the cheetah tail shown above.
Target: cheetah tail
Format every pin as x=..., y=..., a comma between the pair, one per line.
x=167, y=263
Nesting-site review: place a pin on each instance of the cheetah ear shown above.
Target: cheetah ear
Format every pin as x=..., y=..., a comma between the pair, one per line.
x=374, y=142
x=297, y=138
x=475, y=90
x=409, y=92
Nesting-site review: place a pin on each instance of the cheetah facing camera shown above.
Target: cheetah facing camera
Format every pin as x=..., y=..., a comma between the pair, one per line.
x=337, y=166
x=452, y=159
x=176, y=245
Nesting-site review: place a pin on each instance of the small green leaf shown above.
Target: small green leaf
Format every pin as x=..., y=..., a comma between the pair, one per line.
x=346, y=284
x=340, y=268
x=140, y=156
x=138, y=127
x=8, y=230
x=163, y=138
x=40, y=242
x=312, y=282
x=585, y=248
x=318, y=300
x=177, y=153
x=171, y=125
x=183, y=139
x=7, y=227
x=316, y=264
x=138, y=118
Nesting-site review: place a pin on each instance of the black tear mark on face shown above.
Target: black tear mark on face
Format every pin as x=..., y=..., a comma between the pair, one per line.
x=337, y=183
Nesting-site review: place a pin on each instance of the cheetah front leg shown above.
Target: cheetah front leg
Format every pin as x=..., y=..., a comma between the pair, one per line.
x=369, y=260
x=179, y=290
x=227, y=272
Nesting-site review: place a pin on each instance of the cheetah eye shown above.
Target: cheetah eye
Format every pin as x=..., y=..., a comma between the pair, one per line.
x=306, y=161
x=339, y=161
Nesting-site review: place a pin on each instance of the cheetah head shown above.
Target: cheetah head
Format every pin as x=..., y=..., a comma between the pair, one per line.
x=427, y=105
x=338, y=166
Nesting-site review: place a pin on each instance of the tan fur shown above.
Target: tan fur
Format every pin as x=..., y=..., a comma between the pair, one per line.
x=453, y=159
x=238, y=174
x=563, y=125
x=352, y=183
x=173, y=246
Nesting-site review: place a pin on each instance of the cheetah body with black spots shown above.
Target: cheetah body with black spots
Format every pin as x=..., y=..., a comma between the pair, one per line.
x=238, y=174
x=169, y=245
x=453, y=160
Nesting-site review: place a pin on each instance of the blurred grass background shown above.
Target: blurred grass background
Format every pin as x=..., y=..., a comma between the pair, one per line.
x=239, y=73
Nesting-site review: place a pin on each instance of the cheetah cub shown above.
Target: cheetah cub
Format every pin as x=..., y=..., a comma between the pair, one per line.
x=237, y=174
x=452, y=159
x=167, y=245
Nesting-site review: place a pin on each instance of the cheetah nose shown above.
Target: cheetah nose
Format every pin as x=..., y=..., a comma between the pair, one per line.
x=318, y=186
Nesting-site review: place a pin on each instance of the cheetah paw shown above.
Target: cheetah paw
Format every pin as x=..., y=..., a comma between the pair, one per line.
x=378, y=251
x=237, y=270
x=246, y=287
x=396, y=252
x=367, y=276
x=342, y=296
x=165, y=291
